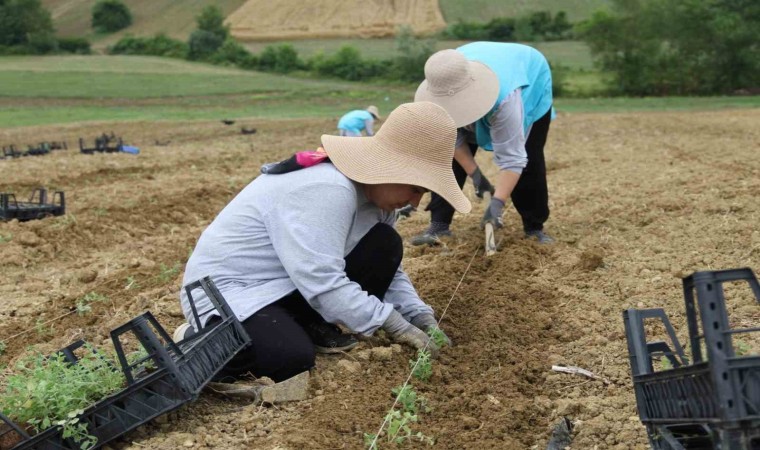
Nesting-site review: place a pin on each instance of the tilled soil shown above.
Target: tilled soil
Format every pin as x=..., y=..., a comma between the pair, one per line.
x=638, y=201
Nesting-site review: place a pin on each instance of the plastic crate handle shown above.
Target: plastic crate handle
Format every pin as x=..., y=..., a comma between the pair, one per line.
x=213, y=294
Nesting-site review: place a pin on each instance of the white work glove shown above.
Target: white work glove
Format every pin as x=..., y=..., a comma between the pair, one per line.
x=403, y=332
x=426, y=323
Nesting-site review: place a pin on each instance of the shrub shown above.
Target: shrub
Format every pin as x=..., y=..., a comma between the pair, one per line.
x=202, y=44
x=466, y=31
x=79, y=46
x=109, y=16
x=24, y=22
x=413, y=53
x=158, y=45
x=501, y=29
x=347, y=64
x=231, y=52
x=280, y=58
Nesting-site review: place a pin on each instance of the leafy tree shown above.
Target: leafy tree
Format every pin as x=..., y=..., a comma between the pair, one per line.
x=211, y=20
x=109, y=16
x=25, y=23
x=678, y=47
x=279, y=58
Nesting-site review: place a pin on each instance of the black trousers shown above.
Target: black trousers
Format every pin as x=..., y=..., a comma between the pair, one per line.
x=280, y=346
x=531, y=194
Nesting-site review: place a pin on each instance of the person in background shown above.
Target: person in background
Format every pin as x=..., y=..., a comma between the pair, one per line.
x=353, y=123
x=500, y=97
x=311, y=244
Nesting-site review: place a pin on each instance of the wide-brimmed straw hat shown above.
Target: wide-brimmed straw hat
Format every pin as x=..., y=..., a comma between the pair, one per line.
x=467, y=90
x=372, y=109
x=415, y=146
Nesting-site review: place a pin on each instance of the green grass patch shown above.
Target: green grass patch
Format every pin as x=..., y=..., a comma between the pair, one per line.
x=485, y=10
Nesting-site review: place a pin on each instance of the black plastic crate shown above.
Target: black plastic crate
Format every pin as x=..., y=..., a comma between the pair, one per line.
x=104, y=143
x=11, y=152
x=37, y=207
x=178, y=373
x=712, y=401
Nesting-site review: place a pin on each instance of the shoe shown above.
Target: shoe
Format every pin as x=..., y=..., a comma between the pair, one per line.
x=328, y=338
x=542, y=237
x=429, y=238
x=183, y=332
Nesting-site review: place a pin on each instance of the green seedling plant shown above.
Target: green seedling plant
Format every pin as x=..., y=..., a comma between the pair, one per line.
x=409, y=400
x=5, y=238
x=84, y=304
x=49, y=391
x=131, y=283
x=399, y=431
x=422, y=368
x=2, y=348
x=438, y=336
x=168, y=273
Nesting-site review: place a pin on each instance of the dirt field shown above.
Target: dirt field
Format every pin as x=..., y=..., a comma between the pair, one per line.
x=638, y=200
x=293, y=19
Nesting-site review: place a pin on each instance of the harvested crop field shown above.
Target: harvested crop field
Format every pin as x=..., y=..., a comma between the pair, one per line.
x=638, y=200
x=292, y=19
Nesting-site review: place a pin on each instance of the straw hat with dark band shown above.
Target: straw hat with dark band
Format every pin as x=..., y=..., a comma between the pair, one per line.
x=467, y=90
x=415, y=146
x=372, y=109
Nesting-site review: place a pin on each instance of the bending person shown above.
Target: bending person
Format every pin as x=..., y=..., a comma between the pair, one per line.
x=500, y=96
x=354, y=122
x=311, y=243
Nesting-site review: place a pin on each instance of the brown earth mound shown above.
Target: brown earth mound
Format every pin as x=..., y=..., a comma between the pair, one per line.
x=293, y=19
x=638, y=200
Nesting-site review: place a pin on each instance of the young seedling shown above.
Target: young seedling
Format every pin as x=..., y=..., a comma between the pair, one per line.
x=438, y=336
x=84, y=303
x=49, y=391
x=409, y=400
x=168, y=273
x=2, y=348
x=131, y=283
x=422, y=368
x=5, y=238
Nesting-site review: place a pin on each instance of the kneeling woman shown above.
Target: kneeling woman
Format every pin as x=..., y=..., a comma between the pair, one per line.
x=311, y=243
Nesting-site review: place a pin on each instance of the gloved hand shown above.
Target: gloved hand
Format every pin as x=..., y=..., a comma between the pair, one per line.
x=426, y=323
x=403, y=332
x=481, y=183
x=493, y=214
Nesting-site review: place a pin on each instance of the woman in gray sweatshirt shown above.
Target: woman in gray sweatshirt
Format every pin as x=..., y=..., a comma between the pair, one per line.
x=310, y=244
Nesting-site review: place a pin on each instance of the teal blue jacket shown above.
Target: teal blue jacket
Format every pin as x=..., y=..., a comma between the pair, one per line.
x=518, y=67
x=354, y=121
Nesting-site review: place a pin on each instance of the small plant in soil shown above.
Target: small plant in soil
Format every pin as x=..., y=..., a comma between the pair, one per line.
x=84, y=303
x=168, y=273
x=422, y=368
x=399, y=431
x=2, y=348
x=49, y=391
x=409, y=399
x=438, y=336
x=5, y=238
x=131, y=283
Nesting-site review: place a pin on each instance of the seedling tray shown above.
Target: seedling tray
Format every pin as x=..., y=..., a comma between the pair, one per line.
x=713, y=401
x=36, y=208
x=178, y=373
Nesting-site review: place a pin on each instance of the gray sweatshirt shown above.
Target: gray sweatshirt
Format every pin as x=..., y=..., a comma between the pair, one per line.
x=292, y=232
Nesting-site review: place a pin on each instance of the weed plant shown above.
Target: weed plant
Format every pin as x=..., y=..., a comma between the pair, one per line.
x=49, y=391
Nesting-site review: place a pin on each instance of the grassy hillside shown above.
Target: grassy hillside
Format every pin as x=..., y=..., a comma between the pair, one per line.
x=174, y=18
x=48, y=90
x=485, y=10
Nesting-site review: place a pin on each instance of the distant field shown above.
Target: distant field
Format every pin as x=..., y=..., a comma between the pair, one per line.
x=136, y=77
x=174, y=18
x=48, y=90
x=485, y=10
x=574, y=54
